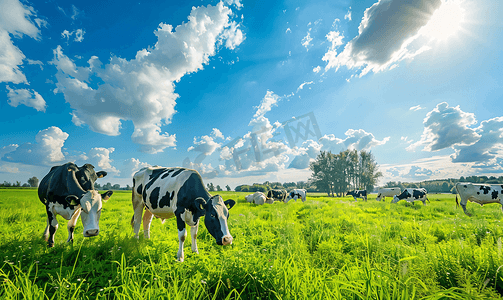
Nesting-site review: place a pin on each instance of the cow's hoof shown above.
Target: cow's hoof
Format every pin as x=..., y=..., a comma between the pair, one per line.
x=50, y=245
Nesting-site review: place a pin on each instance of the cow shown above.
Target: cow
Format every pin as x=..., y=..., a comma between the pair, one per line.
x=411, y=195
x=179, y=192
x=277, y=195
x=258, y=198
x=478, y=193
x=358, y=194
x=387, y=192
x=68, y=191
x=296, y=194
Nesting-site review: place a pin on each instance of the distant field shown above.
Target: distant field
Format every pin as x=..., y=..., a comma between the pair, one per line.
x=325, y=248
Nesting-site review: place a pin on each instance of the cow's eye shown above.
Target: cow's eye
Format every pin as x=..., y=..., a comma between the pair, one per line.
x=213, y=216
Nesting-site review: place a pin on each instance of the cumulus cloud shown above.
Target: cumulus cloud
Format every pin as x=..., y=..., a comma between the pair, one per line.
x=131, y=166
x=269, y=100
x=317, y=69
x=46, y=150
x=142, y=89
x=385, y=35
x=307, y=153
x=100, y=158
x=488, y=149
x=307, y=40
x=206, y=144
x=355, y=140
x=16, y=19
x=417, y=107
x=445, y=127
x=26, y=97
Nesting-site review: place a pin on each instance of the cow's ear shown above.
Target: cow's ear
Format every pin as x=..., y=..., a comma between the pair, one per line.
x=72, y=167
x=200, y=204
x=72, y=200
x=101, y=174
x=229, y=203
x=105, y=196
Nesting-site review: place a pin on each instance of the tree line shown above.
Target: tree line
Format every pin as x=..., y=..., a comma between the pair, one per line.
x=348, y=170
x=445, y=185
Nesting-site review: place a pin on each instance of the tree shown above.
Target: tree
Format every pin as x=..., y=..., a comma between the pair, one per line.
x=33, y=182
x=211, y=187
x=219, y=189
x=116, y=187
x=228, y=188
x=322, y=169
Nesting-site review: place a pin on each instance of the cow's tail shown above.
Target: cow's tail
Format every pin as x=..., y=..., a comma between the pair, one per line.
x=427, y=199
x=457, y=202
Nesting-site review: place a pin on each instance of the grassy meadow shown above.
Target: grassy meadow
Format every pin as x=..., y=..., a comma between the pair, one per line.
x=325, y=248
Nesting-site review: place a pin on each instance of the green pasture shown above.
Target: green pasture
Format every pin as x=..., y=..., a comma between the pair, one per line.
x=325, y=248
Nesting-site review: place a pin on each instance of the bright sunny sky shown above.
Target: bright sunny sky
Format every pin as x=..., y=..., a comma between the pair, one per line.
x=250, y=91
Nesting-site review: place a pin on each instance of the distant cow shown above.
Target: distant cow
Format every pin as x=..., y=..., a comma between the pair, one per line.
x=296, y=194
x=479, y=193
x=387, y=192
x=358, y=194
x=259, y=198
x=277, y=195
x=411, y=195
x=179, y=192
x=69, y=191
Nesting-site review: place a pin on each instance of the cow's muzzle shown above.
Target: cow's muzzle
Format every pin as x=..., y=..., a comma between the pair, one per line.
x=227, y=240
x=91, y=232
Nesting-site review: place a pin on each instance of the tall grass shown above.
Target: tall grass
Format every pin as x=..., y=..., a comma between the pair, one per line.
x=325, y=248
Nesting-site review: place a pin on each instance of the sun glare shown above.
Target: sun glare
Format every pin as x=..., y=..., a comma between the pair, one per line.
x=446, y=21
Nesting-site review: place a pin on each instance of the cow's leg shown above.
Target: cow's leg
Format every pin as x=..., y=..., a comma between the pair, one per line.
x=463, y=205
x=53, y=226
x=71, y=225
x=147, y=220
x=46, y=231
x=181, y=237
x=193, y=234
x=138, y=212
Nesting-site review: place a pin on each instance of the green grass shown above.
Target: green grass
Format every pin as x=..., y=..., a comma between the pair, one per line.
x=325, y=248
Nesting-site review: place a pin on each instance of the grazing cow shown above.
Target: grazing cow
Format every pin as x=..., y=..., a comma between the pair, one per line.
x=479, y=193
x=259, y=198
x=179, y=192
x=277, y=195
x=411, y=195
x=387, y=192
x=358, y=194
x=69, y=191
x=296, y=194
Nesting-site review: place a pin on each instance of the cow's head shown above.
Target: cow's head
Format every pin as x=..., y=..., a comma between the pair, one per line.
x=216, y=213
x=90, y=203
x=86, y=176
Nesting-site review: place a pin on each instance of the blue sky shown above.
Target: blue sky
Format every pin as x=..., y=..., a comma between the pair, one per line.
x=247, y=91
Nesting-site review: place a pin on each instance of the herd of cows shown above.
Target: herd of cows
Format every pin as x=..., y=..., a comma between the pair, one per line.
x=68, y=190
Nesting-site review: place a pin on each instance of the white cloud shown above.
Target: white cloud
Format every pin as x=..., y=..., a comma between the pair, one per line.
x=307, y=40
x=317, y=69
x=348, y=15
x=269, y=100
x=384, y=36
x=131, y=166
x=355, y=140
x=16, y=19
x=79, y=35
x=143, y=88
x=415, y=108
x=26, y=97
x=100, y=158
x=7, y=149
x=445, y=127
x=46, y=150
x=302, y=85
x=288, y=30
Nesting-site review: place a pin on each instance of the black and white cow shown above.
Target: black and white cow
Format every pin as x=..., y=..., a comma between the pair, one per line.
x=296, y=194
x=479, y=193
x=68, y=191
x=179, y=192
x=277, y=195
x=358, y=194
x=411, y=195
x=387, y=192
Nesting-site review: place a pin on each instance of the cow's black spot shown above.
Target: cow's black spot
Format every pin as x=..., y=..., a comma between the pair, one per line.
x=177, y=172
x=494, y=194
x=139, y=189
x=418, y=194
x=154, y=197
x=166, y=199
x=478, y=193
x=486, y=189
x=154, y=176
x=167, y=173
